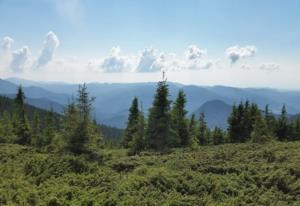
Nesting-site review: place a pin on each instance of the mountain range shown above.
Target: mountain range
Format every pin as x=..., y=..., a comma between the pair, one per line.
x=113, y=99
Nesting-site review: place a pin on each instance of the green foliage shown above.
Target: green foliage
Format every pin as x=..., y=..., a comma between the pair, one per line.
x=231, y=174
x=132, y=123
x=203, y=132
x=179, y=121
x=218, y=136
x=159, y=135
x=80, y=131
x=138, y=142
x=282, y=126
x=260, y=133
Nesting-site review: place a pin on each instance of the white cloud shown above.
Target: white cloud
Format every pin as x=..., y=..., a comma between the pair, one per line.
x=114, y=62
x=7, y=43
x=196, y=59
x=19, y=59
x=150, y=61
x=47, y=53
x=269, y=66
x=236, y=52
x=193, y=52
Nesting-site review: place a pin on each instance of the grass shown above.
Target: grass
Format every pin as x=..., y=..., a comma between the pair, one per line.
x=241, y=174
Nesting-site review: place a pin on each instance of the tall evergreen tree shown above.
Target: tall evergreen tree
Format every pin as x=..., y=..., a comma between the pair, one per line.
x=179, y=122
x=7, y=134
x=132, y=123
x=282, y=126
x=218, y=136
x=193, y=129
x=260, y=133
x=296, y=133
x=82, y=134
x=35, y=130
x=158, y=133
x=138, y=142
x=21, y=126
x=270, y=120
x=203, y=137
x=49, y=128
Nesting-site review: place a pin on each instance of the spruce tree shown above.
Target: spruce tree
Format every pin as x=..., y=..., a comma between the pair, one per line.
x=218, y=136
x=193, y=129
x=132, y=123
x=234, y=125
x=21, y=126
x=158, y=133
x=49, y=128
x=202, y=133
x=179, y=122
x=260, y=133
x=138, y=142
x=82, y=134
x=36, y=130
x=282, y=126
x=296, y=133
x=8, y=133
x=270, y=120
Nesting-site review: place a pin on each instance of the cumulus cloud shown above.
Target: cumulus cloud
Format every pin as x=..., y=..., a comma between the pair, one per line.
x=196, y=59
x=150, y=61
x=115, y=62
x=7, y=43
x=193, y=52
x=50, y=45
x=269, y=66
x=236, y=52
x=19, y=59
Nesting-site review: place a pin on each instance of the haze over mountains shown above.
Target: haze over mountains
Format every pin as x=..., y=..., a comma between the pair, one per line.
x=113, y=99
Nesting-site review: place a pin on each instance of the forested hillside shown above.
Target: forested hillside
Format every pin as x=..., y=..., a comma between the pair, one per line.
x=165, y=157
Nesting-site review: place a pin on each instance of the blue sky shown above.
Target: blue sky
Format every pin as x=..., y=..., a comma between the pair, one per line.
x=89, y=30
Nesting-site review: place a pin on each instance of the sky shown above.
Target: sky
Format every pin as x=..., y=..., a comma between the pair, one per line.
x=243, y=43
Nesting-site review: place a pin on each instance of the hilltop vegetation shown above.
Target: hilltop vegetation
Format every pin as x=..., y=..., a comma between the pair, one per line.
x=233, y=174
x=165, y=158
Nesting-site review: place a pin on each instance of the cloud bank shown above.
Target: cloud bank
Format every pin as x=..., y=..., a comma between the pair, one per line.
x=236, y=52
x=19, y=59
x=7, y=44
x=50, y=45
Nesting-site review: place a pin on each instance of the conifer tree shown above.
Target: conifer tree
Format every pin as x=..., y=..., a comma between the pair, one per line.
x=36, y=130
x=193, y=129
x=49, y=128
x=132, y=123
x=21, y=126
x=270, y=120
x=202, y=133
x=82, y=134
x=138, y=142
x=233, y=125
x=218, y=136
x=158, y=133
x=282, y=125
x=260, y=133
x=296, y=133
x=179, y=122
x=7, y=133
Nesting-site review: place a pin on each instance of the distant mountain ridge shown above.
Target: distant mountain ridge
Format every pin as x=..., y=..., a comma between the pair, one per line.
x=216, y=113
x=113, y=99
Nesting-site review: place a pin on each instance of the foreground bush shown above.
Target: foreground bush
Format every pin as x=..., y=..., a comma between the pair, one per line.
x=233, y=174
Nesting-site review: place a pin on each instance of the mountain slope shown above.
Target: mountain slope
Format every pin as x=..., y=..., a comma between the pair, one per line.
x=114, y=99
x=216, y=113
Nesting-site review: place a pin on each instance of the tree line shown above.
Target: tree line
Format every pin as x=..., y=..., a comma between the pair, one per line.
x=75, y=132
x=167, y=125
